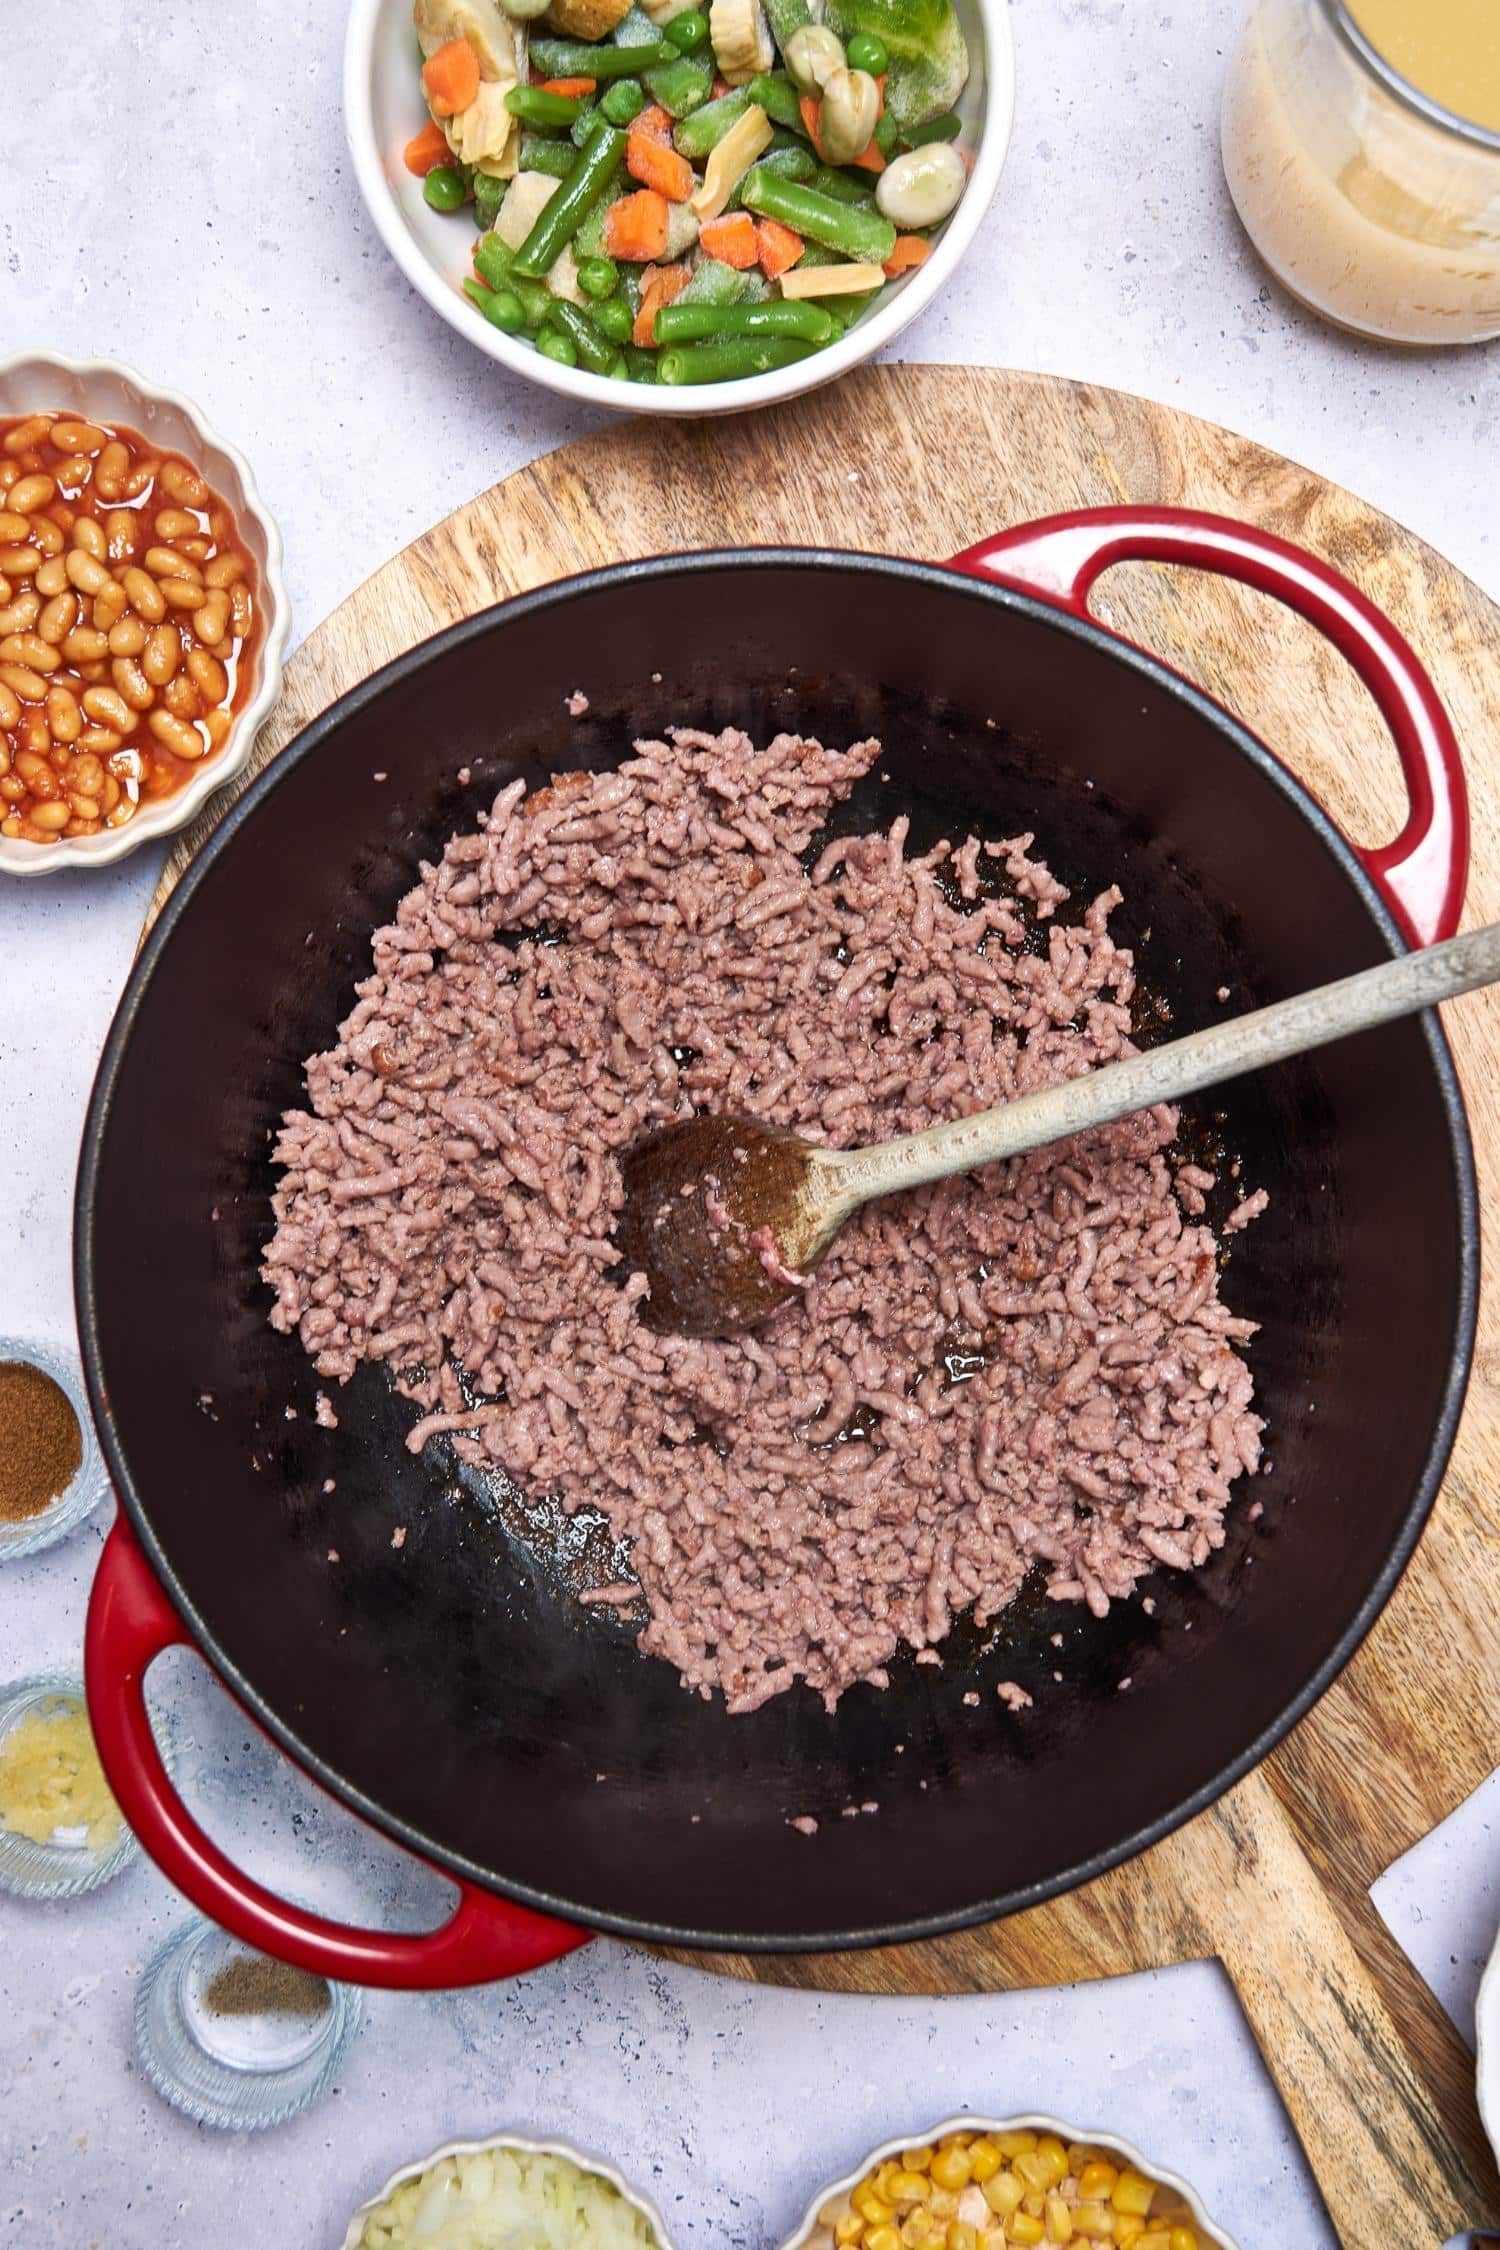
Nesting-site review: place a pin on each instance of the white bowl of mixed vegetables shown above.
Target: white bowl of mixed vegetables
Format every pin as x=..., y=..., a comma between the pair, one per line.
x=672, y=208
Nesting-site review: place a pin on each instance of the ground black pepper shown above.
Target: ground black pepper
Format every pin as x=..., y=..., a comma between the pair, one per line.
x=41, y=1444
x=254, y=1986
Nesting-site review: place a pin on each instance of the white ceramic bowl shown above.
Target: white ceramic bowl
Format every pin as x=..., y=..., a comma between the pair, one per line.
x=527, y=2147
x=102, y=390
x=1487, y=2049
x=1180, y=2207
x=383, y=108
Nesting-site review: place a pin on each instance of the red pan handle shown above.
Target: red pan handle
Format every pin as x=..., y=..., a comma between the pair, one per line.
x=1422, y=874
x=130, y=1623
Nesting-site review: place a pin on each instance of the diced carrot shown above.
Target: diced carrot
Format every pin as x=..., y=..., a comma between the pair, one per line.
x=910, y=250
x=656, y=164
x=450, y=78
x=572, y=89
x=428, y=149
x=721, y=86
x=731, y=240
x=778, y=246
x=660, y=285
x=870, y=160
x=654, y=124
x=635, y=228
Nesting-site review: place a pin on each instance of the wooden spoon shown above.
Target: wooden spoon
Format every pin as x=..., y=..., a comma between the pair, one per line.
x=727, y=1218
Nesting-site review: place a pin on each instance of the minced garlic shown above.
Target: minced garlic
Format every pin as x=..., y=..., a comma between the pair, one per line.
x=52, y=1786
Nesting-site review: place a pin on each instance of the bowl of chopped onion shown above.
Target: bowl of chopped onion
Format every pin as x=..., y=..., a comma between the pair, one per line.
x=475, y=2193
x=983, y=2183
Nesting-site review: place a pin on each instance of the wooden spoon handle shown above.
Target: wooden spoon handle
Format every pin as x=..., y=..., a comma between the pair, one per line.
x=1165, y=1074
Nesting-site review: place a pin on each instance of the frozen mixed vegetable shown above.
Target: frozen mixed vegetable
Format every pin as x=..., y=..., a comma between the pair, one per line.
x=674, y=194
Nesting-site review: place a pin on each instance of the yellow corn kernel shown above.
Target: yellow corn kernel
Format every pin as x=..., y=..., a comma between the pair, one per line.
x=1096, y=2182
x=961, y=2236
x=884, y=2176
x=1183, y=2238
x=872, y=2208
x=883, y=2238
x=1003, y=2193
x=1132, y=2193
x=1057, y=2156
x=1128, y=2230
x=917, y=2159
x=950, y=2167
x=1159, y=2238
x=1096, y=2220
x=905, y=2188
x=919, y=2227
x=848, y=2230
x=1024, y=2228
x=1079, y=2154
x=1059, y=2220
x=1036, y=2204
x=1035, y=2168
x=943, y=2203
x=984, y=2162
x=1012, y=2145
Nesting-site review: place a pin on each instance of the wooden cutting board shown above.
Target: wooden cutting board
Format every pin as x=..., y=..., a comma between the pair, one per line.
x=1274, y=1880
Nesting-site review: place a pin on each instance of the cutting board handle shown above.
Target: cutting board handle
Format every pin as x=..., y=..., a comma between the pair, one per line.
x=130, y=1623
x=1422, y=872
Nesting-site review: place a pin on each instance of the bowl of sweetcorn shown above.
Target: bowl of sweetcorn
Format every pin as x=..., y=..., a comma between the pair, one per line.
x=983, y=2183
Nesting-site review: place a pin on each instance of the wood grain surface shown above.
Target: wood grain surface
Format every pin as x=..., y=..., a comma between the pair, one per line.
x=1273, y=1881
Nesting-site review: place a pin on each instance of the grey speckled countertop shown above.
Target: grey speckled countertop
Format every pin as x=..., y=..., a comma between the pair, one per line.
x=177, y=194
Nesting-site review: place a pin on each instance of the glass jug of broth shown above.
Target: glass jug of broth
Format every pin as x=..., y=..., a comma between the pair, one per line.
x=1362, y=148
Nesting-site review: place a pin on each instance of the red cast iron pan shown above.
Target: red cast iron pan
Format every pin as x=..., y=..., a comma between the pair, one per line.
x=453, y=1692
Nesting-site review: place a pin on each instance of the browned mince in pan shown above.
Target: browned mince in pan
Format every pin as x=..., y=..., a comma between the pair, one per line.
x=1028, y=1367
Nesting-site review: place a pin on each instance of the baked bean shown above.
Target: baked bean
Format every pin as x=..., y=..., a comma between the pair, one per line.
x=111, y=469
x=86, y=573
x=13, y=790
x=29, y=648
x=110, y=605
x=145, y=595
x=182, y=699
x=85, y=646
x=132, y=683
x=176, y=735
x=21, y=436
x=218, y=724
x=20, y=615
x=224, y=570
x=199, y=549
x=166, y=562
x=58, y=619
x=211, y=622
x=124, y=811
x=53, y=817
x=208, y=676
x=241, y=611
x=6, y=588
x=86, y=772
x=21, y=562
x=62, y=715
x=12, y=526
x=52, y=578
x=28, y=685
x=181, y=593
x=85, y=813
x=127, y=638
x=33, y=769
x=46, y=538
x=100, y=739
x=76, y=437
x=184, y=485
x=108, y=708
x=174, y=523
x=109, y=791
x=121, y=526
x=29, y=493
x=10, y=707
x=164, y=655
x=88, y=533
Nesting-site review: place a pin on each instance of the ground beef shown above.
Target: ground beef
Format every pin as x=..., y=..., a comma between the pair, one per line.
x=1030, y=1366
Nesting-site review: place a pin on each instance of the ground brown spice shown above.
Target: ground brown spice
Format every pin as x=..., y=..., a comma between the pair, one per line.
x=41, y=1444
x=254, y=1986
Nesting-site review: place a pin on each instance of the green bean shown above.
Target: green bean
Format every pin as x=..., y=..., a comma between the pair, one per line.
x=686, y=324
x=680, y=86
x=443, y=188
x=497, y=262
x=787, y=16
x=489, y=194
x=787, y=163
x=635, y=29
x=706, y=127
x=494, y=260
x=867, y=51
x=842, y=187
x=502, y=308
x=583, y=124
x=535, y=106
x=845, y=311
x=727, y=362
x=575, y=58
x=688, y=31
x=946, y=128
x=555, y=158
x=862, y=235
x=565, y=212
x=594, y=350
x=622, y=102
x=598, y=277
x=774, y=92
x=639, y=366
x=553, y=344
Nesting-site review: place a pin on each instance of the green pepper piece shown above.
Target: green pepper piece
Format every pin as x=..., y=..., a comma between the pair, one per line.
x=566, y=211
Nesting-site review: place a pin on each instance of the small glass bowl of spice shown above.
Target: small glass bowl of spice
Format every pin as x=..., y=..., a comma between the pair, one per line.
x=61, y=1832
x=51, y=1473
x=234, y=2039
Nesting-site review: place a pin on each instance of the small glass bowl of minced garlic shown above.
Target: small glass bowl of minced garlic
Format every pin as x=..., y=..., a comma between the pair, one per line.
x=52, y=1476
x=61, y=1832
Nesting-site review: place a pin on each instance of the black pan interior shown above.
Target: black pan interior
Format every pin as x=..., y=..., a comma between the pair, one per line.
x=452, y=1688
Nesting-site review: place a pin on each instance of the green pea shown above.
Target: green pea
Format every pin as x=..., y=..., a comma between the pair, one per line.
x=866, y=52
x=613, y=318
x=552, y=345
x=443, y=188
x=688, y=31
x=598, y=277
x=506, y=311
x=887, y=135
x=623, y=102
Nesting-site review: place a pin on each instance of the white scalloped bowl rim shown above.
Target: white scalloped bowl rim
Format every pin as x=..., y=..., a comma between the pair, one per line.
x=526, y=2146
x=1487, y=2049
x=988, y=99
x=1211, y=2235
x=107, y=390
